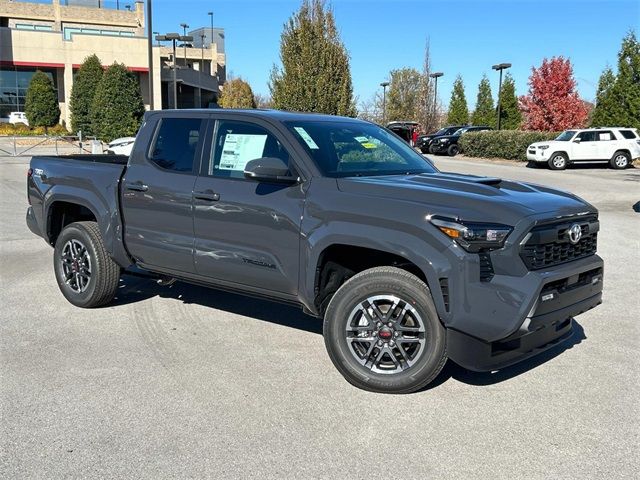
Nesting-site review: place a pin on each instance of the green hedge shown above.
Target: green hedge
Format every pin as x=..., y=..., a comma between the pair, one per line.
x=509, y=144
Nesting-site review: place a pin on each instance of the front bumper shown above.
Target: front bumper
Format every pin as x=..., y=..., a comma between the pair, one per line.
x=537, y=155
x=549, y=323
x=439, y=147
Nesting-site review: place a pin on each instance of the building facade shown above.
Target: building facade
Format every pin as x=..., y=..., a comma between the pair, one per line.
x=56, y=36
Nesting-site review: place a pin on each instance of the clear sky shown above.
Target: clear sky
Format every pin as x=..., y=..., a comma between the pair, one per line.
x=466, y=36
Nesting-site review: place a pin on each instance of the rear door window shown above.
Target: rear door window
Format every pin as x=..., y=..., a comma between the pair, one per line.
x=176, y=144
x=605, y=136
x=587, y=136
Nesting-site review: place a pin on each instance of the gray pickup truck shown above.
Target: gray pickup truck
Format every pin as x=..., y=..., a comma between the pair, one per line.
x=408, y=266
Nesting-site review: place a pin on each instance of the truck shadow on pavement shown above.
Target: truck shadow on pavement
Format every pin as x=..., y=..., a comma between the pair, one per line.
x=135, y=289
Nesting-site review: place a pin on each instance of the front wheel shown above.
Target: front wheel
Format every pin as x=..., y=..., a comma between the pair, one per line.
x=86, y=275
x=453, y=150
x=382, y=332
x=620, y=160
x=558, y=161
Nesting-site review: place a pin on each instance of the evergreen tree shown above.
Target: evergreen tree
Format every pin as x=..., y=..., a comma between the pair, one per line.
x=458, y=111
x=510, y=114
x=41, y=102
x=485, y=113
x=82, y=93
x=315, y=74
x=117, y=107
x=237, y=94
x=625, y=92
x=604, y=111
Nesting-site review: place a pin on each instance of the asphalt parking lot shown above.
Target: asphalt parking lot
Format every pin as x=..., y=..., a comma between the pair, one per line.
x=185, y=382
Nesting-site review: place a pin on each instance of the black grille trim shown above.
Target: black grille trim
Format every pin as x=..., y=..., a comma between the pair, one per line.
x=444, y=287
x=548, y=245
x=486, y=267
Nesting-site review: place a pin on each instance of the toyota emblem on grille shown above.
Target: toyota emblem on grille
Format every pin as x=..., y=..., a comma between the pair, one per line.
x=575, y=233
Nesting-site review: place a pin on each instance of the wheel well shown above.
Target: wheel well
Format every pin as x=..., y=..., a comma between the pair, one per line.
x=622, y=150
x=62, y=214
x=338, y=263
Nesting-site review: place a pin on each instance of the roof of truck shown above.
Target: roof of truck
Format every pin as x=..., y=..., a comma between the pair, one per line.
x=280, y=115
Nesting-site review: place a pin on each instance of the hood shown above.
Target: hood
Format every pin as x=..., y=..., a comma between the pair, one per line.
x=469, y=197
x=538, y=144
x=450, y=137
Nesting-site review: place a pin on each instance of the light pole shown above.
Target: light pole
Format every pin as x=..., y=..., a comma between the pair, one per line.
x=184, y=34
x=174, y=37
x=211, y=43
x=150, y=34
x=202, y=37
x=435, y=76
x=384, y=86
x=500, y=67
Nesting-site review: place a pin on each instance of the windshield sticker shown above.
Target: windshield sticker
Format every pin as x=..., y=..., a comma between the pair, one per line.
x=361, y=139
x=239, y=149
x=369, y=145
x=307, y=138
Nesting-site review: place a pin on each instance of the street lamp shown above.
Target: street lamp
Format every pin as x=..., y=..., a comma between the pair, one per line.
x=500, y=67
x=174, y=37
x=184, y=34
x=150, y=34
x=202, y=37
x=211, y=43
x=435, y=76
x=384, y=86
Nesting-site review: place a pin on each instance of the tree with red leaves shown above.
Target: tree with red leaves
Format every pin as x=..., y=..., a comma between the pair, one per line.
x=553, y=103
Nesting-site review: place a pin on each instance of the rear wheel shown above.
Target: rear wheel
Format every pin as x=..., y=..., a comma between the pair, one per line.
x=453, y=150
x=382, y=332
x=86, y=275
x=558, y=161
x=620, y=160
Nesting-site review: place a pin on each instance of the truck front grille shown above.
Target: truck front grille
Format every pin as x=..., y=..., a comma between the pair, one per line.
x=549, y=244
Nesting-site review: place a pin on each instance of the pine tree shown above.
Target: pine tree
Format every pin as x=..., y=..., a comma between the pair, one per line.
x=604, y=111
x=625, y=92
x=485, y=113
x=315, y=75
x=82, y=93
x=510, y=114
x=458, y=111
x=237, y=94
x=117, y=107
x=553, y=103
x=41, y=102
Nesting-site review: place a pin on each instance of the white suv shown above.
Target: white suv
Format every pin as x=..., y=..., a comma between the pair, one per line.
x=618, y=146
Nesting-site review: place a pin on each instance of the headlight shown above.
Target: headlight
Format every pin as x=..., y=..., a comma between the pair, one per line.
x=543, y=147
x=444, y=140
x=473, y=237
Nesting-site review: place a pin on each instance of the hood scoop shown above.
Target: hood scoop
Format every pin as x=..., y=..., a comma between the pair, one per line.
x=491, y=181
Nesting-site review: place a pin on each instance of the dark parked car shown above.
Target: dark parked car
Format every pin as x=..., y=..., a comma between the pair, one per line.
x=449, y=143
x=404, y=129
x=407, y=266
x=424, y=141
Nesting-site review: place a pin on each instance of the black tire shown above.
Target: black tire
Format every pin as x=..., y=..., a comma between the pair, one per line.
x=432, y=149
x=453, y=150
x=620, y=160
x=558, y=161
x=385, y=284
x=85, y=287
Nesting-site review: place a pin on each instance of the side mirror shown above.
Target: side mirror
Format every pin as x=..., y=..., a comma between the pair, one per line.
x=269, y=169
x=576, y=140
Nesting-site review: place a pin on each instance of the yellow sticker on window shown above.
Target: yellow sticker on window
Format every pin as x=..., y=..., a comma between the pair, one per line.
x=369, y=145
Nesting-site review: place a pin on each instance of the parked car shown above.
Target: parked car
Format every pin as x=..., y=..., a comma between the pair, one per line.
x=121, y=146
x=449, y=143
x=18, y=117
x=618, y=146
x=407, y=266
x=404, y=129
x=424, y=141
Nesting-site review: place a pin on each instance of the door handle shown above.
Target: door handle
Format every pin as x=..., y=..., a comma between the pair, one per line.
x=137, y=186
x=207, y=195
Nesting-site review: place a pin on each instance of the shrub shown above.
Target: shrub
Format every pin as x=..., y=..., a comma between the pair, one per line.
x=117, y=107
x=41, y=102
x=509, y=144
x=21, y=130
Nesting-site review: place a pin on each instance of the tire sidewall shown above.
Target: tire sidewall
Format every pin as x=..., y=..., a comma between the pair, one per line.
x=71, y=232
x=336, y=319
x=453, y=150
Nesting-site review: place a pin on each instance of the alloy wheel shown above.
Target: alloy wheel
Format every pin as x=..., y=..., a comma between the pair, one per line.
x=76, y=265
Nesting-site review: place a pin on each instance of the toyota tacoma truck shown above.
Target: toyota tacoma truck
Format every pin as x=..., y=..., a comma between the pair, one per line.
x=406, y=265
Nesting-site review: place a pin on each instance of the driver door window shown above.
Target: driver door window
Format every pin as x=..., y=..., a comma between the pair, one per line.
x=237, y=143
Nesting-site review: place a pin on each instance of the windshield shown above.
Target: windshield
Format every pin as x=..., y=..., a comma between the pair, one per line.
x=349, y=149
x=566, y=136
x=460, y=131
